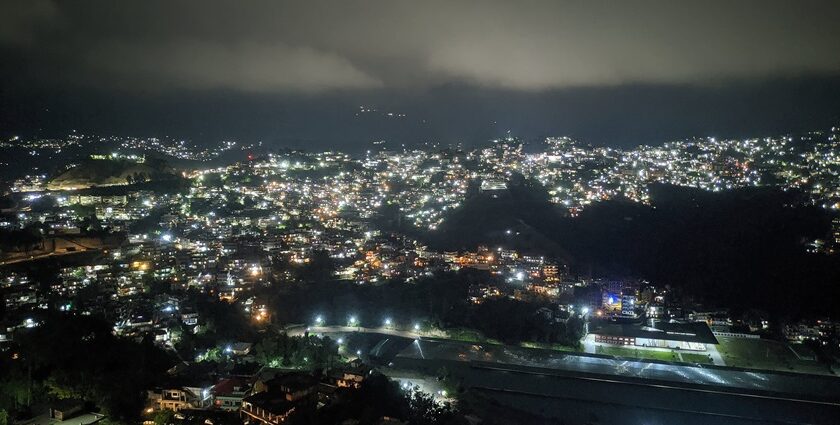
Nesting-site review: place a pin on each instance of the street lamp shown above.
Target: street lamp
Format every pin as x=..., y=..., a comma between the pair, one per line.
x=388, y=321
x=352, y=321
x=417, y=327
x=319, y=320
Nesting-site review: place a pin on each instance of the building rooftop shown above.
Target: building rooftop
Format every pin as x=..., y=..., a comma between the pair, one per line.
x=689, y=332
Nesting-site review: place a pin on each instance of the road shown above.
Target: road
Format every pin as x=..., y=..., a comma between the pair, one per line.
x=576, y=387
x=49, y=255
x=564, y=386
x=811, y=387
x=301, y=329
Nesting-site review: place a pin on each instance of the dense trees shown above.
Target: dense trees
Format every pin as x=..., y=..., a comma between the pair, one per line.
x=738, y=249
x=304, y=351
x=514, y=321
x=380, y=397
x=78, y=357
x=440, y=300
x=20, y=240
x=431, y=299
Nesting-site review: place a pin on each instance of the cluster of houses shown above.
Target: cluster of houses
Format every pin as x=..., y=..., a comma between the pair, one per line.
x=266, y=395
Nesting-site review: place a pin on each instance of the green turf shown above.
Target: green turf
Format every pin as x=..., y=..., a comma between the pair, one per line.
x=638, y=353
x=546, y=346
x=764, y=354
x=695, y=358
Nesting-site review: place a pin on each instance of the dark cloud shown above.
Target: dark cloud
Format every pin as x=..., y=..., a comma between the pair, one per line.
x=19, y=21
x=294, y=73
x=318, y=46
x=244, y=66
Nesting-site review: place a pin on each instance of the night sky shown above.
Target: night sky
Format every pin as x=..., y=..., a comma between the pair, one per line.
x=295, y=74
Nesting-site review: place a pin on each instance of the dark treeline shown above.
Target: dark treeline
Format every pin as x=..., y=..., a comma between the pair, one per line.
x=441, y=300
x=432, y=299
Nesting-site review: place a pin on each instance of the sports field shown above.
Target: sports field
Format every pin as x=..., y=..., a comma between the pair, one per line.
x=764, y=354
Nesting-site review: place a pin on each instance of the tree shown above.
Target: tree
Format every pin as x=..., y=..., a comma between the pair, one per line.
x=319, y=269
x=44, y=203
x=164, y=417
x=299, y=351
x=20, y=240
x=58, y=352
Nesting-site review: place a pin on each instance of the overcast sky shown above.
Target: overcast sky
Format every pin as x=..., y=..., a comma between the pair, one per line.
x=426, y=57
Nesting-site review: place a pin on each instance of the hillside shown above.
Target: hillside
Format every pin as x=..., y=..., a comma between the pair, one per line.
x=97, y=173
x=742, y=248
x=517, y=218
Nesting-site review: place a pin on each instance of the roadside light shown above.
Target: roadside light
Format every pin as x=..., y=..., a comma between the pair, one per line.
x=584, y=310
x=416, y=326
x=340, y=341
x=319, y=320
x=352, y=320
x=388, y=322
